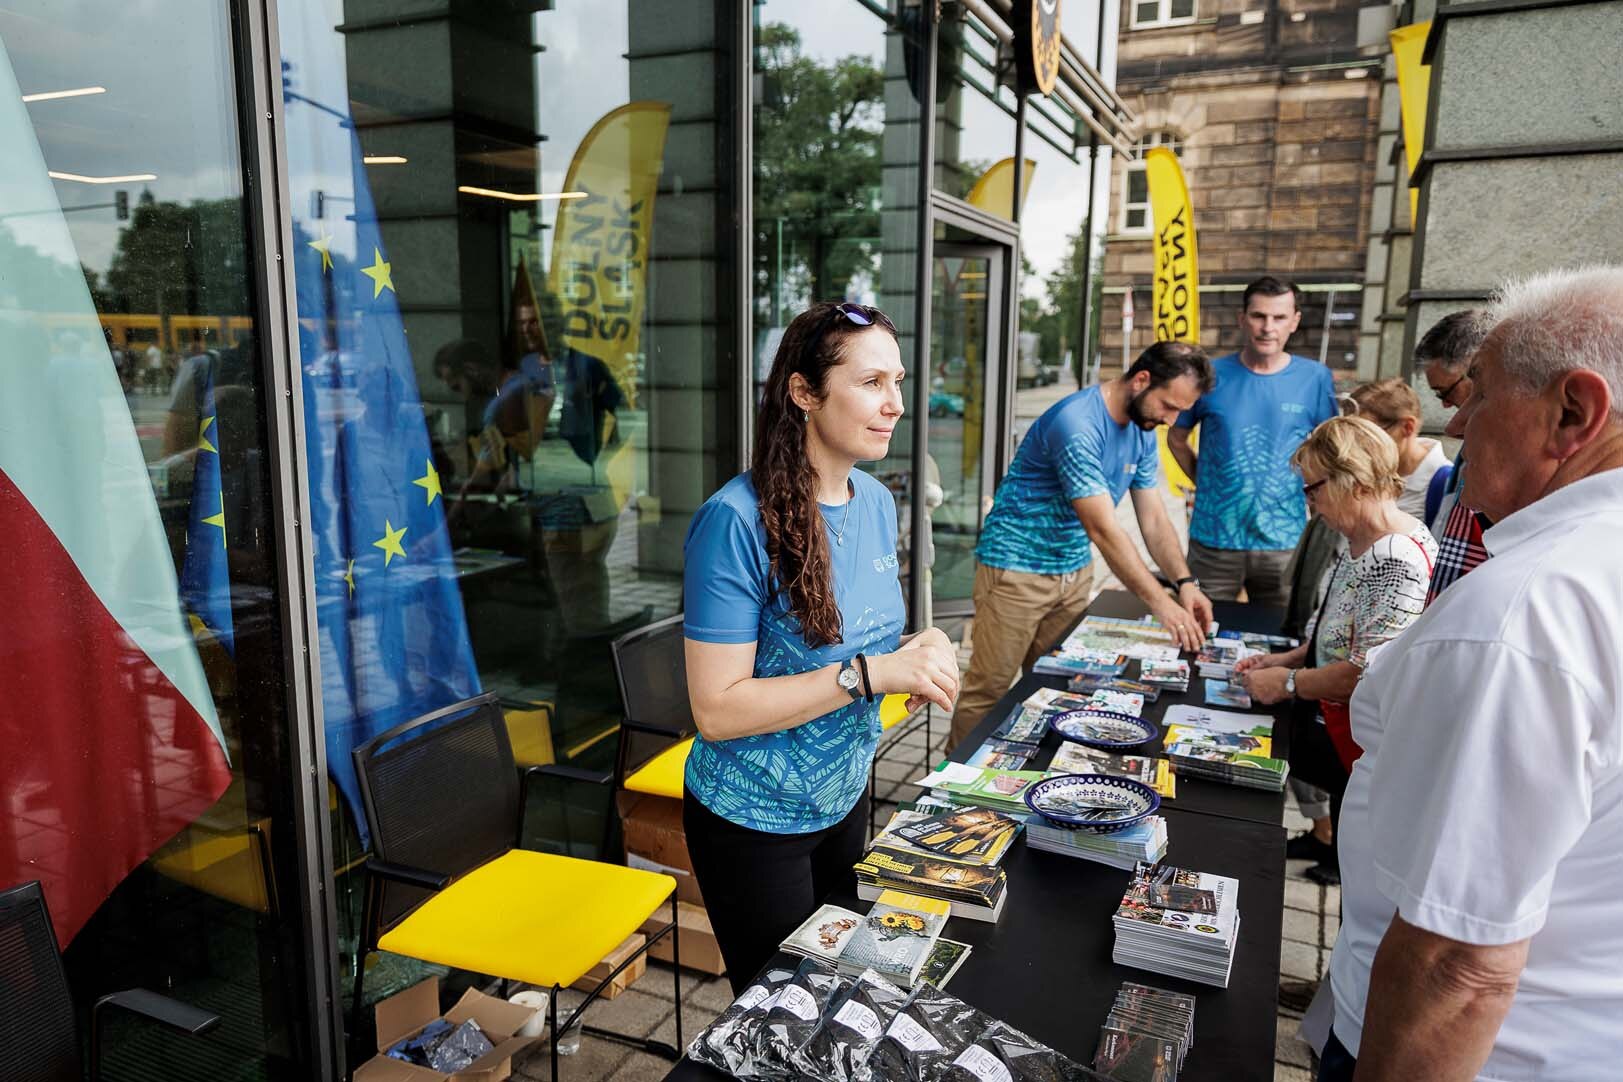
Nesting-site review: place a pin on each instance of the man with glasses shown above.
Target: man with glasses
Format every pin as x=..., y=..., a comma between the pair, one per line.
x=1444, y=354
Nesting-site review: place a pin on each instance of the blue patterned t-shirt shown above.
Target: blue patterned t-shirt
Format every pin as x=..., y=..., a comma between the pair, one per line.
x=1247, y=496
x=1075, y=449
x=795, y=780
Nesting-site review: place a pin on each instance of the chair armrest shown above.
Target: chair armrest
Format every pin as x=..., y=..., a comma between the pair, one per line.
x=159, y=1008
x=654, y=730
x=568, y=773
x=407, y=875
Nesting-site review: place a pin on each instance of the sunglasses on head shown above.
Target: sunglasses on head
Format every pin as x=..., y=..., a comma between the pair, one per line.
x=864, y=316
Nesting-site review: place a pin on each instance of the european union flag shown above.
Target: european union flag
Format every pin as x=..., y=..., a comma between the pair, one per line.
x=205, y=578
x=393, y=637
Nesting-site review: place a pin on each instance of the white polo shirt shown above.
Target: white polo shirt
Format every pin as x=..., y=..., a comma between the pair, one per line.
x=1488, y=805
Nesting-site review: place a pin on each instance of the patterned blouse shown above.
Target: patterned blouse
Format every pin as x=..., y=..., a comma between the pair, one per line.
x=1372, y=598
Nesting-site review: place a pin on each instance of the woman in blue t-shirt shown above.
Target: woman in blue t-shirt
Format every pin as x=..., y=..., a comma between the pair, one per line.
x=793, y=634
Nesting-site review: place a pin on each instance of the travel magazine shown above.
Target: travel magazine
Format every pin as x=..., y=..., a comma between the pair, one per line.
x=1179, y=922
x=894, y=939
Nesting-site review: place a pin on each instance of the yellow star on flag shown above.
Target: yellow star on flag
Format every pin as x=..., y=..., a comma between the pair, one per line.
x=390, y=542
x=203, y=443
x=323, y=244
x=380, y=274
x=430, y=481
x=349, y=576
x=219, y=519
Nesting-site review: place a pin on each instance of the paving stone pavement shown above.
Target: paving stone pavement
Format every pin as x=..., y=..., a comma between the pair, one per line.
x=647, y=1009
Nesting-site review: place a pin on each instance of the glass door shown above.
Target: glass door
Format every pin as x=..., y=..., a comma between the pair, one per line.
x=966, y=370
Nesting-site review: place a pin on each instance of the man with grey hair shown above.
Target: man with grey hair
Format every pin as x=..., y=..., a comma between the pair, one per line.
x=1443, y=355
x=1482, y=897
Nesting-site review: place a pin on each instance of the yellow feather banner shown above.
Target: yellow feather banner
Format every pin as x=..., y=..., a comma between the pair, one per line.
x=1177, y=294
x=1414, y=87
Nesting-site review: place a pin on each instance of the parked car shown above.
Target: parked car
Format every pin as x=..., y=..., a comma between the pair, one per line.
x=946, y=404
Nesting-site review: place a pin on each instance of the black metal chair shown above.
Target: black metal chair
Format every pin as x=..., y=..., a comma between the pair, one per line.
x=450, y=883
x=39, y=1035
x=656, y=727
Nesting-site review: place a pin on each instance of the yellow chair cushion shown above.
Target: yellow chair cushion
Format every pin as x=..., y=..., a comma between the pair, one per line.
x=662, y=775
x=892, y=711
x=531, y=917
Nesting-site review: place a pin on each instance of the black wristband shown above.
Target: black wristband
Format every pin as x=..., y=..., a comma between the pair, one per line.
x=1187, y=578
x=867, y=688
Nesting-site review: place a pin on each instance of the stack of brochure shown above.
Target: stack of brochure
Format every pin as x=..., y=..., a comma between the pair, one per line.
x=981, y=787
x=1074, y=758
x=1141, y=842
x=1135, y=638
x=1173, y=675
x=1179, y=922
x=1220, y=745
x=1147, y=1034
x=1219, y=655
x=974, y=891
x=895, y=938
x=1066, y=661
x=972, y=835
x=1087, y=685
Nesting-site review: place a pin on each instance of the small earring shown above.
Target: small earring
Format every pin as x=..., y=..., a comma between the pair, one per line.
x=805, y=416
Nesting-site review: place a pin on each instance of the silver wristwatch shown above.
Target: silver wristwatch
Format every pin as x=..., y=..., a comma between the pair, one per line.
x=1290, y=683
x=850, y=678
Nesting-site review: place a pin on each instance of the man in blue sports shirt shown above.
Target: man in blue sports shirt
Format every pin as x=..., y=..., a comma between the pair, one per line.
x=1058, y=502
x=1249, y=507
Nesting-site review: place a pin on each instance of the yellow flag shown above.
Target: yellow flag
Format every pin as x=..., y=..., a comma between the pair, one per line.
x=1414, y=86
x=1177, y=295
x=599, y=269
x=994, y=191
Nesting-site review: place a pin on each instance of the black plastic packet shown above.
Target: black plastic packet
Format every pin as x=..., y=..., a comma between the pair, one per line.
x=926, y=1035
x=460, y=1047
x=1004, y=1054
x=851, y=1026
x=793, y=1017
x=728, y=1043
x=414, y=1049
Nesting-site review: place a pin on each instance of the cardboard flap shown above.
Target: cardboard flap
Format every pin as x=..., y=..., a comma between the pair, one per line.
x=404, y=1013
x=497, y=1017
x=383, y=1069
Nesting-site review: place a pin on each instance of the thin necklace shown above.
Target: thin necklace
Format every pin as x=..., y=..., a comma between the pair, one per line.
x=839, y=534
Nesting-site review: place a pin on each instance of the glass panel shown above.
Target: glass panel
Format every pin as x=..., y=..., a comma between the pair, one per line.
x=836, y=180
x=1136, y=218
x=1183, y=9
x=1138, y=185
x=974, y=118
x=1146, y=13
x=507, y=219
x=1055, y=251
x=960, y=362
x=146, y=772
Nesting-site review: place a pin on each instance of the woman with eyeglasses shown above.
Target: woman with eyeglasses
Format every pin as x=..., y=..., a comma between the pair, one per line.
x=1376, y=588
x=793, y=620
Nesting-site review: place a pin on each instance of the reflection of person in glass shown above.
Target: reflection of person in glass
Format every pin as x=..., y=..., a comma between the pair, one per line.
x=793, y=619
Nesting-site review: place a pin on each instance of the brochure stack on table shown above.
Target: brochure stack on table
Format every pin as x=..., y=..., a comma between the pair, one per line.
x=1125, y=849
x=1178, y=922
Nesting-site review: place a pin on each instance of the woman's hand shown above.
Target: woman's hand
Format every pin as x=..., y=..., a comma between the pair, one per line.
x=1266, y=686
x=925, y=668
x=1261, y=661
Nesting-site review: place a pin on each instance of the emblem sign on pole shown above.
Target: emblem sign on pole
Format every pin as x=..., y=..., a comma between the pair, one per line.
x=1037, y=38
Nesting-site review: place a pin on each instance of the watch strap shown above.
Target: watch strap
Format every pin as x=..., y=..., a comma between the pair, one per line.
x=867, y=687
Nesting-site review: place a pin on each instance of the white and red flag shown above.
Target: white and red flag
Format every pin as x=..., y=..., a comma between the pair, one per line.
x=109, y=741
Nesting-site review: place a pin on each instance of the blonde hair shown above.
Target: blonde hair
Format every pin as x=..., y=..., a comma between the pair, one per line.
x=1353, y=454
x=1387, y=402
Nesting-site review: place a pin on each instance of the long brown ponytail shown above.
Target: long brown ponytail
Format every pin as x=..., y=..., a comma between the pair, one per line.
x=782, y=474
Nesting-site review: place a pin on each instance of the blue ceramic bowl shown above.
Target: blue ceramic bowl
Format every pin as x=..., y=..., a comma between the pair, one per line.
x=1103, y=728
x=1095, y=802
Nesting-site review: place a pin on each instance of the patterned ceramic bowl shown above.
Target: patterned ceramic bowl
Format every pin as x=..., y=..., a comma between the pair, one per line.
x=1103, y=728
x=1095, y=802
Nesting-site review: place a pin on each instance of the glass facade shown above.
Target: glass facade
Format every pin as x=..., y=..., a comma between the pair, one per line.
x=146, y=774
x=528, y=303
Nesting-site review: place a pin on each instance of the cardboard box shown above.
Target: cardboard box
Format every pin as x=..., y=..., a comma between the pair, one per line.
x=626, y=977
x=405, y=1013
x=656, y=841
x=699, y=948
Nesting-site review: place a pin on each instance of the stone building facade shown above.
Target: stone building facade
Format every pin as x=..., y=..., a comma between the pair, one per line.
x=1274, y=109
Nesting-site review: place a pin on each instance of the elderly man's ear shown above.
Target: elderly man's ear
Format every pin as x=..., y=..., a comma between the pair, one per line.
x=1584, y=404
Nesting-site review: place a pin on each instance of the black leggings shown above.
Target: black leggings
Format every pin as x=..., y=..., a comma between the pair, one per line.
x=758, y=887
x=1314, y=759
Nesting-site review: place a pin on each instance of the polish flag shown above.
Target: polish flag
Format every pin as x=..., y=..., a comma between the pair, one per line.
x=109, y=742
